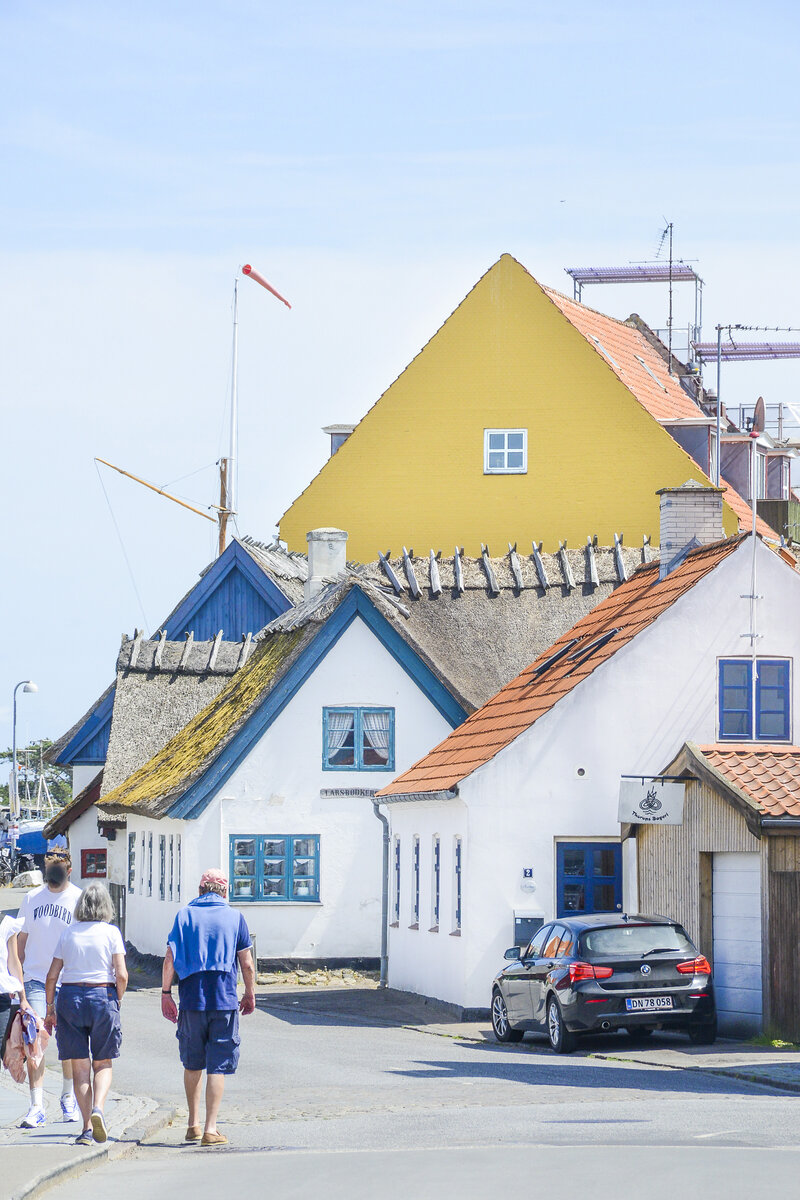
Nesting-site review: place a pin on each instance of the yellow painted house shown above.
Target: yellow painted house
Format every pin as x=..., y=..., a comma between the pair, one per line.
x=528, y=416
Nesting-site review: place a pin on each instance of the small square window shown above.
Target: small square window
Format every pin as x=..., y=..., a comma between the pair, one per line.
x=93, y=864
x=358, y=739
x=505, y=451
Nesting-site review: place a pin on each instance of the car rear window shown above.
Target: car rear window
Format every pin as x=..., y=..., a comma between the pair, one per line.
x=635, y=939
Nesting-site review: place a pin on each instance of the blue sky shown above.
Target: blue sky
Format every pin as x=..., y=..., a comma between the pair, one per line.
x=372, y=160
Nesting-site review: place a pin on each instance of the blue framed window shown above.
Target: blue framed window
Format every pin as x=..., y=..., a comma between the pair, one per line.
x=436, y=881
x=457, y=885
x=588, y=878
x=274, y=867
x=358, y=739
x=178, y=869
x=415, y=881
x=149, y=864
x=772, y=700
x=162, y=866
x=397, y=881
x=131, y=862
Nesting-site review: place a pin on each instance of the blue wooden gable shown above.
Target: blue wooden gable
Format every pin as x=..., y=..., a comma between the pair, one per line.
x=234, y=595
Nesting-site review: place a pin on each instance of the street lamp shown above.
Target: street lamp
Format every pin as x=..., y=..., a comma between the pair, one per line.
x=27, y=685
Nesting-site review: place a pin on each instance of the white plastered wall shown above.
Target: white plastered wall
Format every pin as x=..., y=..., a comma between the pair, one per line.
x=631, y=716
x=276, y=790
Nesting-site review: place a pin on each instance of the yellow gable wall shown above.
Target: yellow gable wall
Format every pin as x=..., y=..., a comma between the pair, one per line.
x=412, y=472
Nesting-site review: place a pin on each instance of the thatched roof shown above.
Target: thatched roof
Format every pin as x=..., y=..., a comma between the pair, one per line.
x=175, y=766
x=160, y=686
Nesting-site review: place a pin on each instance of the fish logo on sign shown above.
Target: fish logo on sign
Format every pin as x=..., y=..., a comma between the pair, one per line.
x=651, y=802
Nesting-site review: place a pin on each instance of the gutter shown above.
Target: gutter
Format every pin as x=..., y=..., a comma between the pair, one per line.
x=778, y=824
x=407, y=797
x=384, y=895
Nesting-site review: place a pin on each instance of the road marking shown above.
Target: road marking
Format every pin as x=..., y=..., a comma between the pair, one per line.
x=721, y=1133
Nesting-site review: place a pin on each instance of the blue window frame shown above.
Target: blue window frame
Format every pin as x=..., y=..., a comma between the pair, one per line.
x=588, y=878
x=436, y=881
x=274, y=867
x=397, y=881
x=772, y=700
x=357, y=739
x=457, y=881
x=415, y=892
x=131, y=862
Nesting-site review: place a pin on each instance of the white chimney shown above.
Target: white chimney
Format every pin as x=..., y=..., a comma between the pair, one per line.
x=327, y=558
x=691, y=515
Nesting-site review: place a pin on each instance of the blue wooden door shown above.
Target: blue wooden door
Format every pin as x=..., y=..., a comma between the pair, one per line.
x=589, y=878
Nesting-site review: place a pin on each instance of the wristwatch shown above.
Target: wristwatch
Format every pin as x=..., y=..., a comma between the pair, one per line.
x=167, y=993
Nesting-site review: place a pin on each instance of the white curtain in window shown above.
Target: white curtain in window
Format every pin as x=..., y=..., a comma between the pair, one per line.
x=339, y=725
x=376, y=731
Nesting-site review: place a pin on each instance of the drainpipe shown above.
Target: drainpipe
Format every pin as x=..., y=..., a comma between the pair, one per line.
x=384, y=895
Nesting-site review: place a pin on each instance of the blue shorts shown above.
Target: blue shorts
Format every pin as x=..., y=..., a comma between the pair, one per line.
x=88, y=1024
x=209, y=1040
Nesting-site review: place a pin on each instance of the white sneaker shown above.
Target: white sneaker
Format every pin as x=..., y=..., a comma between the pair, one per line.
x=33, y=1117
x=69, y=1108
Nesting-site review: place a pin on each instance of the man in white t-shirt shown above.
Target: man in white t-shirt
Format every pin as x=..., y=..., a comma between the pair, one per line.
x=46, y=912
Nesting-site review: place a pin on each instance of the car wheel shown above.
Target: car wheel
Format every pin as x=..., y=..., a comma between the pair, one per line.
x=561, y=1040
x=500, y=1026
x=704, y=1035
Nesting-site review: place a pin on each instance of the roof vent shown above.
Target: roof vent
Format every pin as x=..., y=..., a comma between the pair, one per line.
x=691, y=515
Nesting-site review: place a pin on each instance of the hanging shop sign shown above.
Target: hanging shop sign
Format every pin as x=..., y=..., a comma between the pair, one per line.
x=648, y=801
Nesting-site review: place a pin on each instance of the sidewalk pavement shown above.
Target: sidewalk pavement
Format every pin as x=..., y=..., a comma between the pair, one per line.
x=366, y=1004
x=31, y=1157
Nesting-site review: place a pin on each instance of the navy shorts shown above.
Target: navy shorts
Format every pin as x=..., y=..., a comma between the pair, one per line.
x=209, y=1040
x=88, y=1024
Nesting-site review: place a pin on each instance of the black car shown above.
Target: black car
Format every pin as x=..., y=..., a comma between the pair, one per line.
x=604, y=973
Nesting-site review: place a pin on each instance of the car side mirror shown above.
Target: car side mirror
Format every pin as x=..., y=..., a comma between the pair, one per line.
x=512, y=953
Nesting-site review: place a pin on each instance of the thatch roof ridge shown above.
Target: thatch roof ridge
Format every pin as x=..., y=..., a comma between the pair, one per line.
x=188, y=754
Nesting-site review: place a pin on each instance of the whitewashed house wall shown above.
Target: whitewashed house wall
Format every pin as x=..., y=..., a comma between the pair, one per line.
x=276, y=790
x=631, y=715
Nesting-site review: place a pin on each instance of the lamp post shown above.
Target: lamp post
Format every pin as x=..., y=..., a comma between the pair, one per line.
x=27, y=685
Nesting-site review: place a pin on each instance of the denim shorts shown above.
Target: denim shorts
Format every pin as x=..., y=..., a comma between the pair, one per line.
x=209, y=1040
x=36, y=997
x=88, y=1024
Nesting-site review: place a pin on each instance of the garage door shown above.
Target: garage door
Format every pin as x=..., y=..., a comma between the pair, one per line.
x=736, y=910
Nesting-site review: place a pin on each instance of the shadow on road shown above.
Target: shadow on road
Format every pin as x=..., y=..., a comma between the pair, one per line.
x=354, y=1006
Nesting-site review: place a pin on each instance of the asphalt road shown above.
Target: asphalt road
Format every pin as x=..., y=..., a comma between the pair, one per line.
x=333, y=1106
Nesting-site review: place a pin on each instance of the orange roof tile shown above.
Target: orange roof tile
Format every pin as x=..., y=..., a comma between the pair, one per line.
x=644, y=372
x=632, y=358
x=768, y=774
x=619, y=618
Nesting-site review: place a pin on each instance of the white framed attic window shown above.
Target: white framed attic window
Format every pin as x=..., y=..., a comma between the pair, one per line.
x=505, y=451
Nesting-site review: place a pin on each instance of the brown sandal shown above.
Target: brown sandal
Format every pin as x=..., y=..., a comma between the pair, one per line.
x=214, y=1139
x=194, y=1133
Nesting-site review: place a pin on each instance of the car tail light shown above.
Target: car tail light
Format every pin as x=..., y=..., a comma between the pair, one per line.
x=582, y=970
x=698, y=966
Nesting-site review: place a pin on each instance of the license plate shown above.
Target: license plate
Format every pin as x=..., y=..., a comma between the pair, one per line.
x=637, y=1003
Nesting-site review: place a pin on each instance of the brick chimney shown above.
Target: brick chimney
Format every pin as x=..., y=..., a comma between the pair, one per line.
x=691, y=515
x=327, y=559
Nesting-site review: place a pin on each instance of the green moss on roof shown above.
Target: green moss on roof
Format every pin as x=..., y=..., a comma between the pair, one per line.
x=174, y=767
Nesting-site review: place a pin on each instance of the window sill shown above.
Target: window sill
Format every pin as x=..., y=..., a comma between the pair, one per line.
x=413, y=926
x=433, y=929
x=456, y=933
x=394, y=925
x=277, y=903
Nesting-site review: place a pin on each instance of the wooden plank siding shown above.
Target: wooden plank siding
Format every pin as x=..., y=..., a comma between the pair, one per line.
x=671, y=872
x=782, y=974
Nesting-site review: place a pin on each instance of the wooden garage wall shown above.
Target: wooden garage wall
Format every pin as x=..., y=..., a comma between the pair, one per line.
x=782, y=977
x=670, y=867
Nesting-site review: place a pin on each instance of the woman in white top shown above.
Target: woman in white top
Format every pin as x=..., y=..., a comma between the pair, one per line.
x=90, y=958
x=11, y=985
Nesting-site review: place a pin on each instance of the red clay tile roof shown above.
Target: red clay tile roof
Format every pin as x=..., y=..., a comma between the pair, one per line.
x=623, y=614
x=768, y=774
x=626, y=349
x=653, y=386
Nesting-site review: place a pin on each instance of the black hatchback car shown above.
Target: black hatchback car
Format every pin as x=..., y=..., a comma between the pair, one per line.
x=604, y=973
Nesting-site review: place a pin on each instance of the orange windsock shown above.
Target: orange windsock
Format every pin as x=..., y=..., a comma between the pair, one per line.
x=248, y=270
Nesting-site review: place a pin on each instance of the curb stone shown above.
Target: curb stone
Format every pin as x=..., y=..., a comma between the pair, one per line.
x=720, y=1072
x=113, y=1149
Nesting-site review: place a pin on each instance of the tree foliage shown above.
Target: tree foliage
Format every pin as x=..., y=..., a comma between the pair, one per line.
x=59, y=779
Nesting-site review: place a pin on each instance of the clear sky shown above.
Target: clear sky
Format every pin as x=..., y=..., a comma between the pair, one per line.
x=372, y=160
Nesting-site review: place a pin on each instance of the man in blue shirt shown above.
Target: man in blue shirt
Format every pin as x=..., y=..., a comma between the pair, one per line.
x=207, y=941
